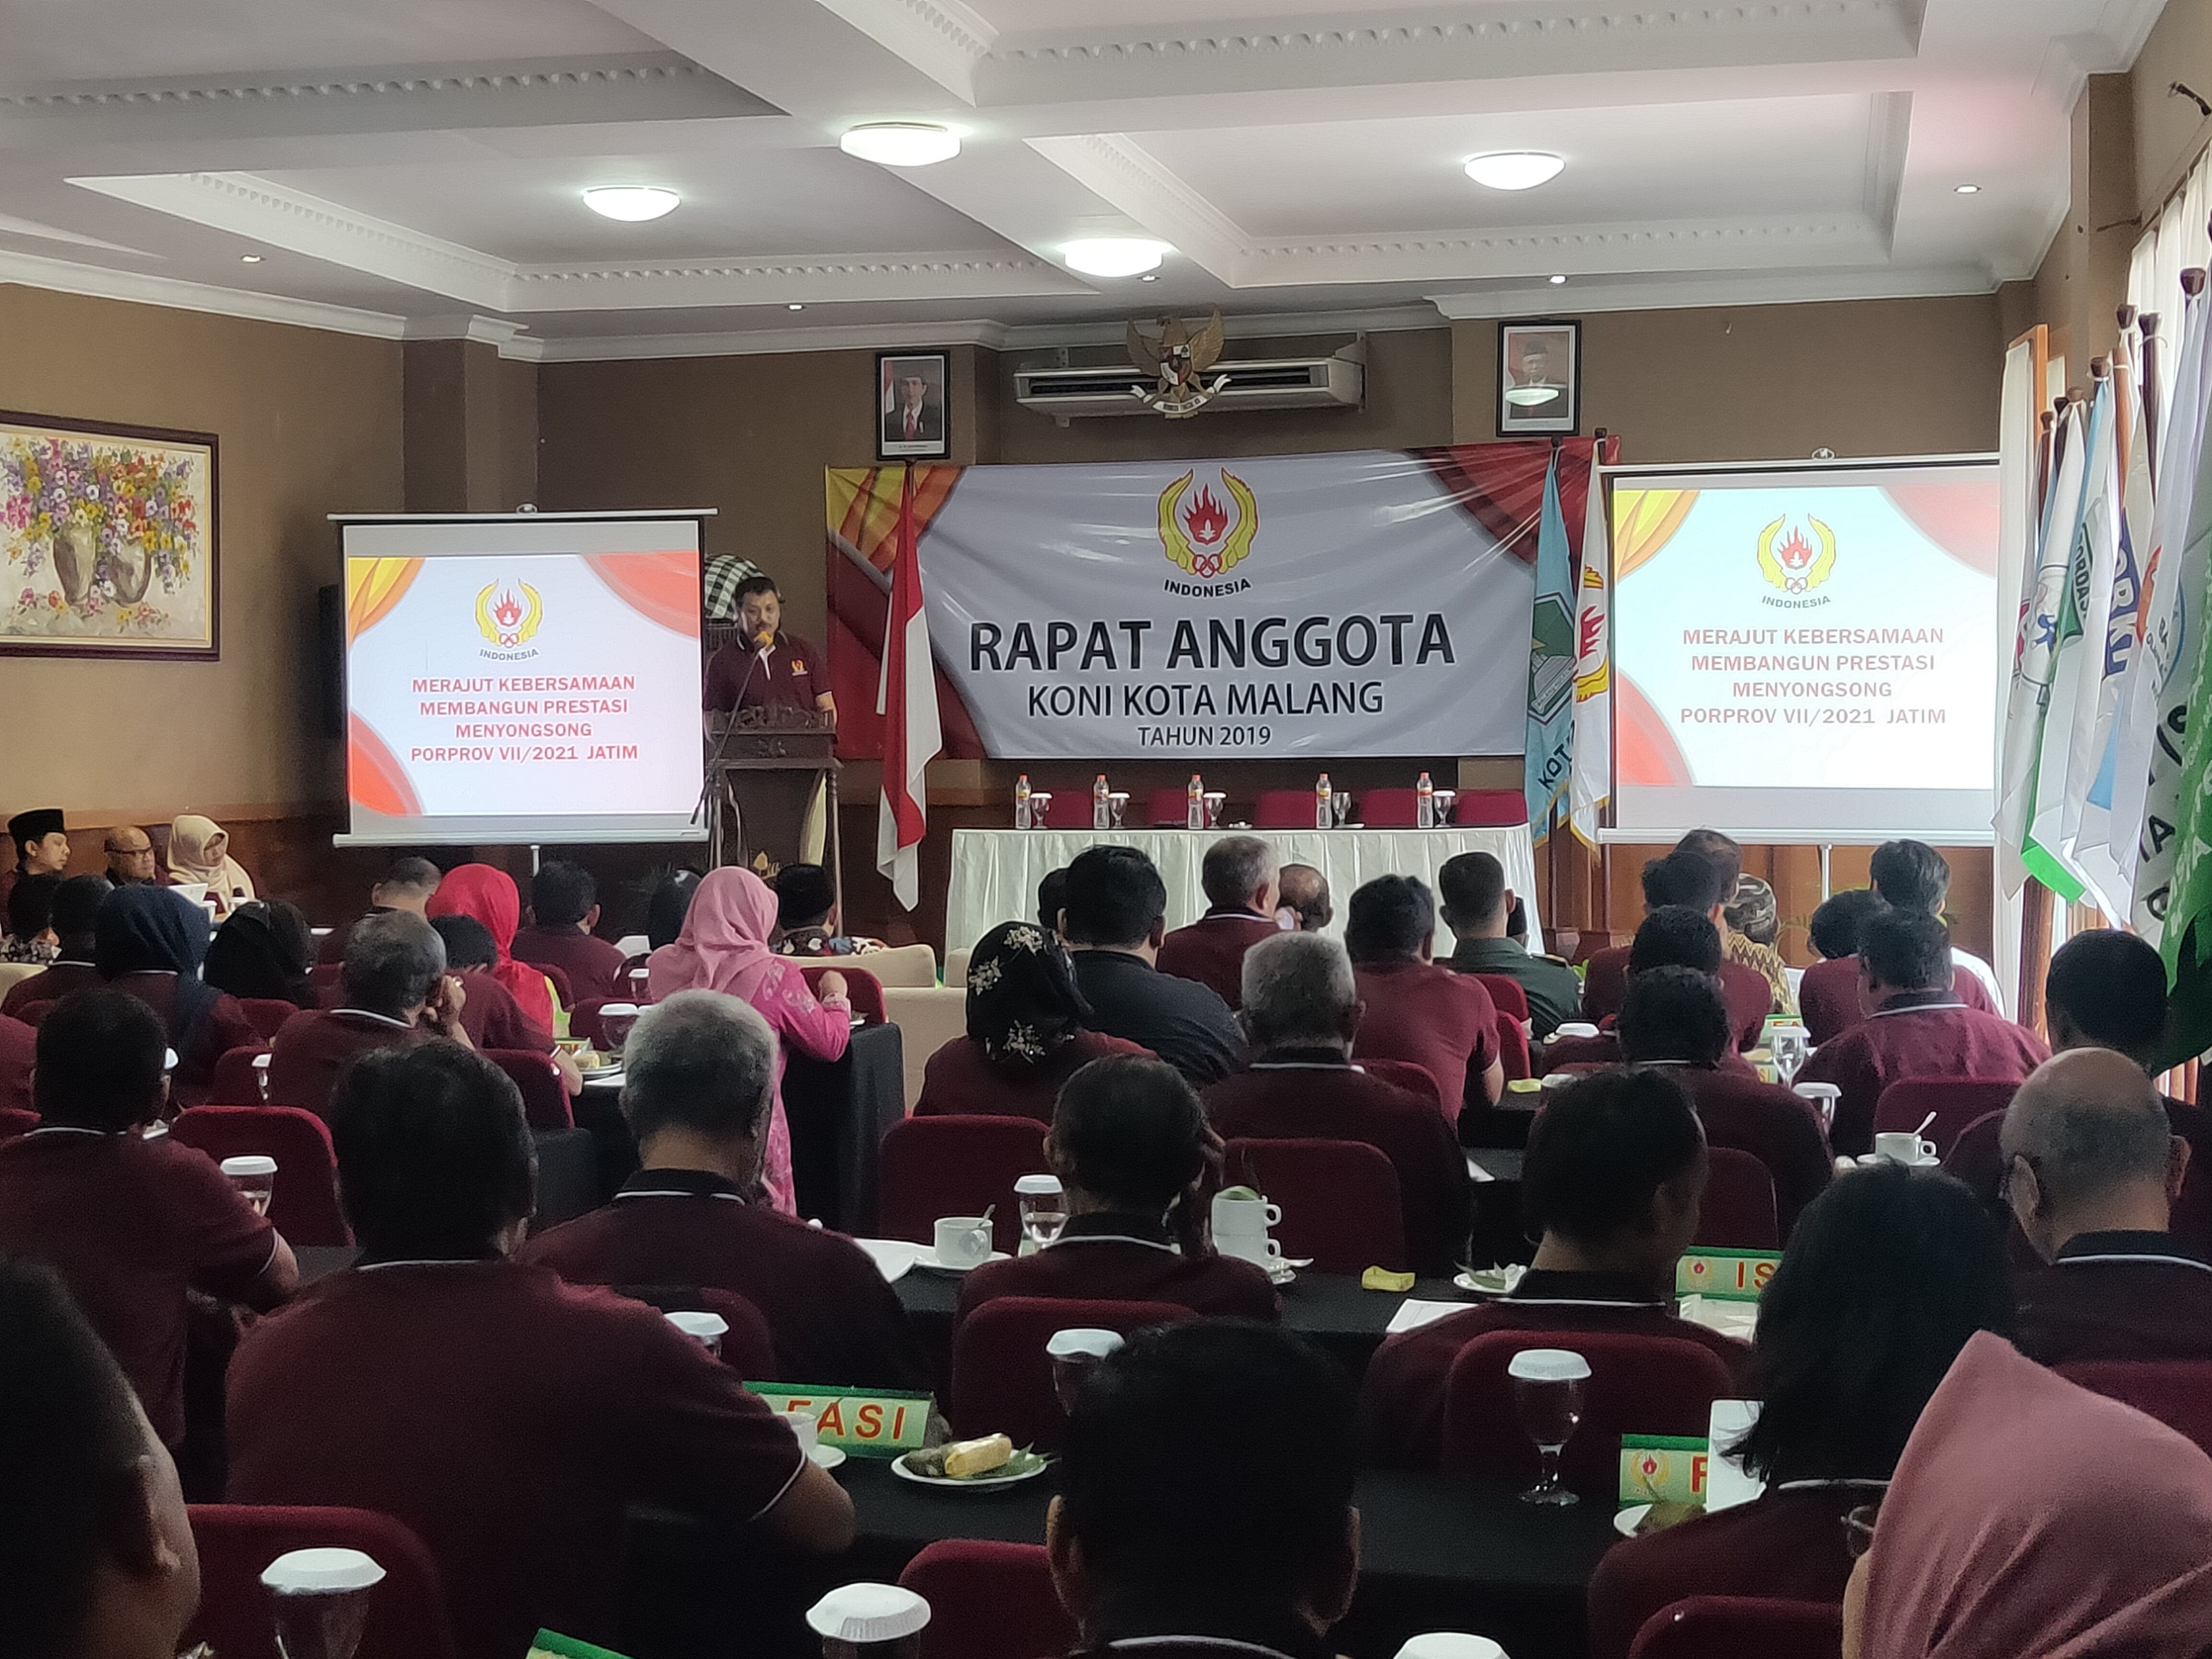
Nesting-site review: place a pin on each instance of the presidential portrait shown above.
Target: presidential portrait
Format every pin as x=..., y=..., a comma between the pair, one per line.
x=1539, y=379
x=910, y=404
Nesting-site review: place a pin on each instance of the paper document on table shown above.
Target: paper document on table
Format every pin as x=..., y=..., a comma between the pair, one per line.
x=1730, y=1318
x=1413, y=1313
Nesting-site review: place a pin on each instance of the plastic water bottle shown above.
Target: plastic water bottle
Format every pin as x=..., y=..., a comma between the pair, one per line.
x=1102, y=805
x=1022, y=801
x=1194, y=804
x=1324, y=816
x=1425, y=809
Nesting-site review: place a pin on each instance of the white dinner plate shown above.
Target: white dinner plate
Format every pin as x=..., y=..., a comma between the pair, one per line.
x=1630, y=1519
x=926, y=1256
x=607, y=1077
x=1868, y=1160
x=827, y=1457
x=1032, y=1466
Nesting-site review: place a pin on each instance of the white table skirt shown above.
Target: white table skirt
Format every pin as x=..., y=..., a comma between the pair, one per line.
x=995, y=871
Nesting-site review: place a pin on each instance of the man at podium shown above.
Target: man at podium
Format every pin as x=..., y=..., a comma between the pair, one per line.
x=763, y=666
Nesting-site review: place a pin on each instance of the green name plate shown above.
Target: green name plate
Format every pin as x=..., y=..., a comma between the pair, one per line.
x=547, y=1645
x=1663, y=1468
x=866, y=1422
x=1725, y=1275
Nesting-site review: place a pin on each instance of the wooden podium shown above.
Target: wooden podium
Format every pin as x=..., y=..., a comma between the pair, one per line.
x=766, y=768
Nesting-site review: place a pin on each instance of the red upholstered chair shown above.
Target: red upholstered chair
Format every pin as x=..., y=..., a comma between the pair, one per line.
x=1340, y=1200
x=15, y=1120
x=237, y=1542
x=324, y=976
x=1001, y=1378
x=1407, y=1074
x=1956, y=1101
x=584, y=1020
x=1513, y=1048
x=865, y=990
x=545, y=1097
x=956, y=1165
x=35, y=1012
x=563, y=992
x=1390, y=809
x=1637, y=1385
x=1507, y=995
x=1165, y=809
x=305, y=1204
x=1742, y=1627
x=1494, y=809
x=237, y=1080
x=1284, y=809
x=2177, y=1392
x=268, y=1014
x=748, y=1346
x=1070, y=807
x=1974, y=1157
x=989, y=1601
x=1740, y=1209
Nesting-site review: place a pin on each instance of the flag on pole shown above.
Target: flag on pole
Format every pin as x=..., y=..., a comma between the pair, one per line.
x=2179, y=816
x=906, y=697
x=1548, y=753
x=1592, y=737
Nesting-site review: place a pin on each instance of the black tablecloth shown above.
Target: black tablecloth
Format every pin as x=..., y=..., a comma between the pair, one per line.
x=838, y=1110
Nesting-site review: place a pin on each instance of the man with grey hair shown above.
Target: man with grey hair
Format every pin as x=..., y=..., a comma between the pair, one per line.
x=1302, y=1012
x=1238, y=876
x=2090, y=1170
x=699, y=1073
x=393, y=992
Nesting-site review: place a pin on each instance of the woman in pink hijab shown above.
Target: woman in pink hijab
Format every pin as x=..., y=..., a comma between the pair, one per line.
x=726, y=945
x=490, y=896
x=2030, y=1519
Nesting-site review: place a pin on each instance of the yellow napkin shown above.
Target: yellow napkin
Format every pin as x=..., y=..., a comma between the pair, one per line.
x=1381, y=1279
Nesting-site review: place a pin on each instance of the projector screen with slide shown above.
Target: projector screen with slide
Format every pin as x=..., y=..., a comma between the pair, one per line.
x=1806, y=652
x=524, y=678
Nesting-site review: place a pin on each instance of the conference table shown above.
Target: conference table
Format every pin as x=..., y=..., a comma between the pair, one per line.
x=995, y=871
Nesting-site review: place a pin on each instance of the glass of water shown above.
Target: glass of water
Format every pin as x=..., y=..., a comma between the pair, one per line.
x=1790, y=1046
x=1548, y=1395
x=1045, y=1208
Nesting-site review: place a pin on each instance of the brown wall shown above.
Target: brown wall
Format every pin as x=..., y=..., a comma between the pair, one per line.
x=2170, y=132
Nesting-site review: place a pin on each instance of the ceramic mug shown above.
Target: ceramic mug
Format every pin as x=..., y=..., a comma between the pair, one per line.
x=963, y=1241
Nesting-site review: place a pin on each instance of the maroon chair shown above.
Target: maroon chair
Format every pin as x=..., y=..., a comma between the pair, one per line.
x=2177, y=1392
x=865, y=989
x=989, y=1601
x=1001, y=1377
x=955, y=1165
x=1742, y=1627
x=748, y=1346
x=1513, y=1052
x=1490, y=809
x=305, y=1203
x=584, y=1020
x=268, y=1014
x=1070, y=808
x=1638, y=1384
x=1166, y=808
x=33, y=1012
x=563, y=992
x=1740, y=1211
x=544, y=1095
x=1340, y=1200
x=324, y=976
x=237, y=1080
x=15, y=1120
x=1407, y=1074
x=1955, y=1101
x=1507, y=995
x=1390, y=809
x=1284, y=809
x=237, y=1542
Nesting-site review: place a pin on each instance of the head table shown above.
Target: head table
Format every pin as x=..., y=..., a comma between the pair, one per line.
x=995, y=871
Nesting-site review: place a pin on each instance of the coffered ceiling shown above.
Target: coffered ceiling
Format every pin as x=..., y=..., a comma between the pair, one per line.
x=416, y=167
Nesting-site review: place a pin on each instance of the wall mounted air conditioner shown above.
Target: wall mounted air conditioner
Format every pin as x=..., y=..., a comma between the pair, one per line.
x=1336, y=382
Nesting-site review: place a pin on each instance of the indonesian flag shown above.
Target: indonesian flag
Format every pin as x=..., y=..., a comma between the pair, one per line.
x=906, y=698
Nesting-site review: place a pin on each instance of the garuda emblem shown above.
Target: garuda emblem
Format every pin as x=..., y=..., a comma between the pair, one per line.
x=1178, y=360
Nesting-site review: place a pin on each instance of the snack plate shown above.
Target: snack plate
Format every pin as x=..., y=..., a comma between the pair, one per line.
x=1024, y=1465
x=1490, y=1281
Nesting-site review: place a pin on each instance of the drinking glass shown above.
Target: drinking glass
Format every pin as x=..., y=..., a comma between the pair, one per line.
x=261, y=1077
x=1119, y=801
x=254, y=1176
x=616, y=1021
x=320, y=1598
x=1789, y=1046
x=1045, y=1208
x=1040, y=808
x=1215, y=799
x=1548, y=1395
x=1074, y=1353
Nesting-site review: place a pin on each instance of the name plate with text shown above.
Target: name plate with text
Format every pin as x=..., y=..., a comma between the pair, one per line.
x=1726, y=1275
x=866, y=1422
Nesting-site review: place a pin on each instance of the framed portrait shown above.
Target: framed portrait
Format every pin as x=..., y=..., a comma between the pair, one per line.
x=1540, y=380
x=107, y=540
x=913, y=421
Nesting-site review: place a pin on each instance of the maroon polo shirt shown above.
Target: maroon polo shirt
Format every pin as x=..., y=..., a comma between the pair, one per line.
x=1828, y=997
x=1917, y=1034
x=1123, y=1258
x=313, y=1047
x=510, y=1419
x=222, y=1027
x=58, y=980
x=790, y=672
x=1401, y=1402
x=19, y=1051
x=1780, y=1129
x=2118, y=1295
x=1212, y=949
x=834, y=1321
x=1788, y=1545
x=1314, y=1094
x=494, y=1019
x=131, y=1225
x=594, y=967
x=1604, y=986
x=1438, y=1019
x=961, y=1080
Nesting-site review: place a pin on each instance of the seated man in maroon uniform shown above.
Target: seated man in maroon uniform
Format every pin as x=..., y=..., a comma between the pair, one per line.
x=1828, y=993
x=1615, y=1176
x=393, y=992
x=1704, y=882
x=1908, y=875
x=700, y=1071
x=1672, y=936
x=1887, y=1276
x=76, y=904
x=1442, y=1022
x=564, y=908
x=1238, y=875
x=1303, y=1011
x=1915, y=1027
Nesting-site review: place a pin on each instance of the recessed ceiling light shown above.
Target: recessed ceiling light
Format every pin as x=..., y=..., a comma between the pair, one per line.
x=1149, y=277
x=631, y=204
x=1558, y=281
x=1514, y=169
x=1113, y=256
x=900, y=144
x=249, y=259
x=795, y=306
x=1967, y=189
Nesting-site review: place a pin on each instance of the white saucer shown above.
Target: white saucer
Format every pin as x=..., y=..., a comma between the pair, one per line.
x=1869, y=1160
x=607, y=1077
x=926, y=1256
x=827, y=1457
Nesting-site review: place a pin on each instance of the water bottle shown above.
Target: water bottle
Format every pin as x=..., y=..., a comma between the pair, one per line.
x=1323, y=811
x=1425, y=809
x=1022, y=801
x=1194, y=804
x=1101, y=805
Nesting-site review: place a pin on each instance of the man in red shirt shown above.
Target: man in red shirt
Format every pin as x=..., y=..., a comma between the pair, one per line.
x=510, y=1419
x=1614, y=1175
x=1697, y=879
x=700, y=1074
x=1238, y=876
x=76, y=902
x=1671, y=936
x=1915, y=1027
x=1303, y=1011
x=1829, y=991
x=133, y=1225
x=763, y=666
x=564, y=908
x=18, y=1055
x=1416, y=1011
x=393, y=992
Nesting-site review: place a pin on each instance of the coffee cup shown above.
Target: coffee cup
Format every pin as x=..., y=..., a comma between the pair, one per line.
x=1242, y=1213
x=1256, y=1248
x=807, y=1427
x=1902, y=1147
x=963, y=1241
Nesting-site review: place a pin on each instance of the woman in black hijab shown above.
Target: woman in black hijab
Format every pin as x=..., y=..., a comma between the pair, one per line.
x=150, y=942
x=264, y=950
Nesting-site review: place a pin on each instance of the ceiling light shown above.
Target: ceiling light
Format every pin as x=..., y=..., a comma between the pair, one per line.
x=1149, y=277
x=795, y=306
x=900, y=144
x=1113, y=256
x=249, y=259
x=1558, y=281
x=1966, y=190
x=1514, y=169
x=631, y=204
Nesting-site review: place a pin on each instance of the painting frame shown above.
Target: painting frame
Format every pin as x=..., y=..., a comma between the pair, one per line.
x=934, y=369
x=1515, y=341
x=200, y=563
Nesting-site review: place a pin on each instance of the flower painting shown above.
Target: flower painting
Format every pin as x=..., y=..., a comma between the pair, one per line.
x=107, y=540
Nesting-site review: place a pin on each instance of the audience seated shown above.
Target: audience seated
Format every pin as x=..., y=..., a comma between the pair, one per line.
x=74, y=918
x=407, y=884
x=1675, y=1018
x=699, y=1073
x=199, y=853
x=134, y=1224
x=1130, y=1144
x=1915, y=1027
x=393, y=992
x=1026, y=1035
x=670, y=904
x=264, y=950
x=1614, y=1176
x=31, y=937
x=564, y=908
x=1885, y=1280
x=19, y=1049
x=1911, y=875
x=508, y=1419
x=1751, y=924
x=491, y=898
x=150, y=942
x=1302, y=899
x=1259, y=1559
x=1238, y=876
x=41, y=846
x=1415, y=1010
x=131, y=861
x=490, y=1012
x=1828, y=994
x=1303, y=1010
x=1670, y=936
x=806, y=919
x=1113, y=917
x=1051, y=899
x=1726, y=855
x=1476, y=904
x=101, y=1561
x=1703, y=881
